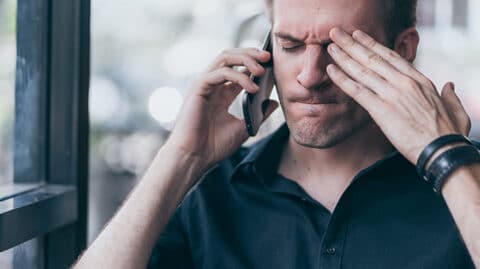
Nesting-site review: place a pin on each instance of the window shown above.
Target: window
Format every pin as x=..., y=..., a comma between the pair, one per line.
x=43, y=210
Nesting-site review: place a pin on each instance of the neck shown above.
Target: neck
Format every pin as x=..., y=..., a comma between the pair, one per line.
x=336, y=165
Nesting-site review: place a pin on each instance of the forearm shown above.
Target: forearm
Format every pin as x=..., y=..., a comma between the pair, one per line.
x=127, y=241
x=462, y=195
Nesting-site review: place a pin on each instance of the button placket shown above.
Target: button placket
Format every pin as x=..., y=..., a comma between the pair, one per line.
x=333, y=242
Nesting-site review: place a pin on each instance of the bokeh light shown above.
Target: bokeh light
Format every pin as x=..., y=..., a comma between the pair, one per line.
x=164, y=104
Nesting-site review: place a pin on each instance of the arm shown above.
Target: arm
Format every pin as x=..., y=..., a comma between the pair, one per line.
x=204, y=134
x=462, y=195
x=127, y=241
x=406, y=106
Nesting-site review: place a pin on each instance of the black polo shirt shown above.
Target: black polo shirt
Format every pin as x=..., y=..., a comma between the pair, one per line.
x=244, y=214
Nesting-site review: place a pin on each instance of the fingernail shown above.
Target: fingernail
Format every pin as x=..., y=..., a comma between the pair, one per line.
x=333, y=48
x=359, y=34
x=331, y=68
x=341, y=33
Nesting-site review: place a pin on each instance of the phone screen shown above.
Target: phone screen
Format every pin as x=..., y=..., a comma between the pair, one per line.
x=254, y=105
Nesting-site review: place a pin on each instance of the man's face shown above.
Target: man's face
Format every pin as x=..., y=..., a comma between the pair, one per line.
x=318, y=113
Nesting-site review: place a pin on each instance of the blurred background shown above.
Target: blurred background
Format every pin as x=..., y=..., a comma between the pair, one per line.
x=146, y=52
x=8, y=9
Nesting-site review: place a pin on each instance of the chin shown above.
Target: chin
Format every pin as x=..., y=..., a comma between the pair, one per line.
x=324, y=133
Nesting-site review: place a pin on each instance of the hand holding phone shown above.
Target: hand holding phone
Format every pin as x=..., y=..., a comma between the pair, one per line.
x=255, y=105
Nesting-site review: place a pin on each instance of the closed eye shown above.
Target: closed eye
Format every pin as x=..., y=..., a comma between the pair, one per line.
x=291, y=49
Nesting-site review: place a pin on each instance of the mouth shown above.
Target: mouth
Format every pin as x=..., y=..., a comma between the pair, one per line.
x=319, y=96
x=314, y=102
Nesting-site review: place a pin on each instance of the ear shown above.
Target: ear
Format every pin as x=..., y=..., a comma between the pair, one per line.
x=406, y=44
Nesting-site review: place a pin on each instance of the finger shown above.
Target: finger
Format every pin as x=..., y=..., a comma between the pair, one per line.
x=231, y=91
x=455, y=108
x=365, y=56
x=390, y=56
x=363, y=96
x=242, y=63
x=272, y=106
x=233, y=87
x=261, y=55
x=227, y=74
x=358, y=72
x=250, y=58
x=242, y=69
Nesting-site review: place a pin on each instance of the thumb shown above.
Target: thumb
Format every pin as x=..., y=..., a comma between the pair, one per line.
x=455, y=108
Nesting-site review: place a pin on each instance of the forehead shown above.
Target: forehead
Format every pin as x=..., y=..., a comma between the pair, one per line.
x=307, y=18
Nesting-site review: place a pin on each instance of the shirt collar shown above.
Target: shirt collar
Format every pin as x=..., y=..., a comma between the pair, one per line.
x=264, y=155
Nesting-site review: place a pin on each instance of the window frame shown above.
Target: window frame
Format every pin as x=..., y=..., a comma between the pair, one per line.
x=49, y=195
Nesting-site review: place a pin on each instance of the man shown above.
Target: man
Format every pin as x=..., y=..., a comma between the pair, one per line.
x=336, y=187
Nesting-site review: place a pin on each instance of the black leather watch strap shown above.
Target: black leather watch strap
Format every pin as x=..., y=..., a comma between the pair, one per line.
x=445, y=164
x=433, y=147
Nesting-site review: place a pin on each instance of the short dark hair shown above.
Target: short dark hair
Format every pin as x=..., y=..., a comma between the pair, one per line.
x=398, y=15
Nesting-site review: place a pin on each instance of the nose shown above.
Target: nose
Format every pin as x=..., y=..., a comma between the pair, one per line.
x=313, y=73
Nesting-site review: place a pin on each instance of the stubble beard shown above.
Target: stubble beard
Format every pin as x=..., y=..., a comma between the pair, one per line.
x=329, y=132
x=307, y=133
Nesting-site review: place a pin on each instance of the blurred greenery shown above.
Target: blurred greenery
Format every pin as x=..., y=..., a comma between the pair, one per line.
x=11, y=17
x=7, y=84
x=8, y=18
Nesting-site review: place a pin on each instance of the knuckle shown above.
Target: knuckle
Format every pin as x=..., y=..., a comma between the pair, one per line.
x=249, y=62
x=366, y=71
x=428, y=83
x=225, y=70
x=222, y=62
x=375, y=59
x=253, y=51
x=356, y=89
x=411, y=84
x=370, y=43
x=393, y=54
x=394, y=95
x=201, y=85
x=350, y=43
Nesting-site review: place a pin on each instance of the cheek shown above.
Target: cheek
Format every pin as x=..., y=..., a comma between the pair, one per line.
x=286, y=68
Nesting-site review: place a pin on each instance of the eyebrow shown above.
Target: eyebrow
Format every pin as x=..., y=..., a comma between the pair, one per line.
x=289, y=37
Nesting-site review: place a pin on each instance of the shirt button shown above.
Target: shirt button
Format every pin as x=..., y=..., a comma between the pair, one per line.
x=331, y=251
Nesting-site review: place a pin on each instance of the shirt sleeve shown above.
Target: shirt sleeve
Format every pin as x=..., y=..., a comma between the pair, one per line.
x=171, y=250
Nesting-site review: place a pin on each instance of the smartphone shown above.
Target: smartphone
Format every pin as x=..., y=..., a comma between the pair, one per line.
x=255, y=105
